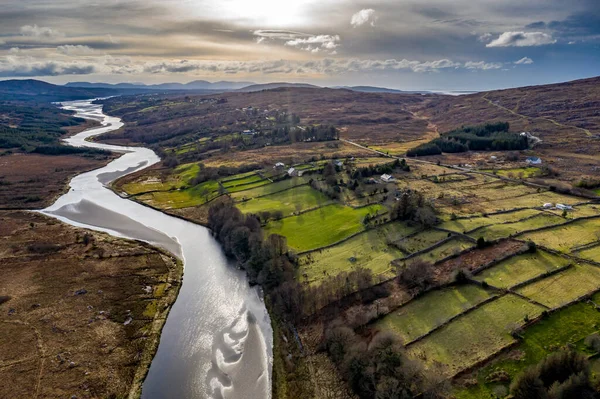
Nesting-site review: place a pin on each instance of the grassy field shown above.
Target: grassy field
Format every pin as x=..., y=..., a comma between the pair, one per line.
x=568, y=326
x=475, y=336
x=423, y=314
x=421, y=241
x=564, y=287
x=565, y=238
x=269, y=188
x=496, y=231
x=369, y=250
x=500, y=190
x=529, y=201
x=321, y=227
x=466, y=225
x=452, y=247
x=241, y=180
x=288, y=201
x=247, y=186
x=175, y=199
x=516, y=173
x=154, y=180
x=520, y=268
x=591, y=253
x=579, y=211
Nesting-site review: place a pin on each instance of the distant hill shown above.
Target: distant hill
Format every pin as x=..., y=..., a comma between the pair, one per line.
x=374, y=89
x=194, y=85
x=36, y=90
x=276, y=85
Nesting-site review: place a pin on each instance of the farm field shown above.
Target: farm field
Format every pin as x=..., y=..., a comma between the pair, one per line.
x=253, y=192
x=568, y=237
x=520, y=268
x=568, y=326
x=452, y=247
x=564, y=287
x=497, y=231
x=474, y=336
x=420, y=241
x=323, y=226
x=242, y=180
x=529, y=201
x=591, y=253
x=232, y=188
x=188, y=197
x=514, y=173
x=469, y=224
x=499, y=190
x=427, y=312
x=368, y=249
x=288, y=201
x=158, y=180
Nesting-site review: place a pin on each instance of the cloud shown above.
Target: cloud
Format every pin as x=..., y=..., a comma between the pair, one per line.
x=21, y=67
x=40, y=32
x=482, y=65
x=111, y=39
x=69, y=49
x=485, y=37
x=522, y=39
x=524, y=61
x=312, y=43
x=366, y=15
x=303, y=41
x=2, y=42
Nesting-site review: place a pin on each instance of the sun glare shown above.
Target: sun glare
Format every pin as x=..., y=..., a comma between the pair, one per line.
x=272, y=13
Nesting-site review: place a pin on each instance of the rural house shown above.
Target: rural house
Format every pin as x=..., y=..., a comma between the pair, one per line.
x=279, y=165
x=387, y=178
x=292, y=172
x=533, y=161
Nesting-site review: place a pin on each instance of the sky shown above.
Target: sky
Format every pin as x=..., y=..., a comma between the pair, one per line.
x=403, y=44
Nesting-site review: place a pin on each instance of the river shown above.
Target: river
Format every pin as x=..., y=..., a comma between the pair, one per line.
x=217, y=340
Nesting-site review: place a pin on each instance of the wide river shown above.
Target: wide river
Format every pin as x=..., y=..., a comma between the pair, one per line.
x=217, y=341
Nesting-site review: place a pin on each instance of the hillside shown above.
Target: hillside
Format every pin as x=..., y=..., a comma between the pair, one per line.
x=36, y=90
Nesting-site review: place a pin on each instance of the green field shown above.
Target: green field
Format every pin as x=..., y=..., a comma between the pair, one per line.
x=194, y=196
x=466, y=225
x=515, y=173
x=568, y=326
x=475, y=336
x=288, y=201
x=591, y=253
x=521, y=268
x=452, y=247
x=369, y=250
x=247, y=186
x=241, y=180
x=423, y=314
x=565, y=238
x=499, y=190
x=564, y=287
x=421, y=241
x=268, y=188
x=529, y=201
x=179, y=177
x=323, y=226
x=497, y=231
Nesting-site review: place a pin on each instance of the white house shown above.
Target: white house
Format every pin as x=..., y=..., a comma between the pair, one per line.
x=292, y=172
x=279, y=165
x=548, y=205
x=338, y=163
x=564, y=207
x=533, y=161
x=387, y=178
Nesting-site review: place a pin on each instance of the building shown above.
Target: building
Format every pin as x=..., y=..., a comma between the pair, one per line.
x=387, y=178
x=249, y=132
x=564, y=207
x=279, y=165
x=548, y=205
x=338, y=163
x=292, y=172
x=533, y=161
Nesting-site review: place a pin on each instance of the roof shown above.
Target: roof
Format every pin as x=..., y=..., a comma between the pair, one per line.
x=385, y=176
x=291, y=170
x=533, y=159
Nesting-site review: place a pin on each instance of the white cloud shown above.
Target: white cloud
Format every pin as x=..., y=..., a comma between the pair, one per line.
x=2, y=42
x=364, y=16
x=485, y=37
x=111, y=39
x=524, y=61
x=69, y=49
x=11, y=66
x=522, y=39
x=277, y=34
x=482, y=65
x=14, y=50
x=40, y=32
x=312, y=43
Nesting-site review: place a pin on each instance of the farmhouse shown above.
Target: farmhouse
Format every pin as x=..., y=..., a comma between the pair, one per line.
x=338, y=163
x=548, y=205
x=533, y=161
x=292, y=172
x=564, y=207
x=279, y=165
x=249, y=132
x=387, y=178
